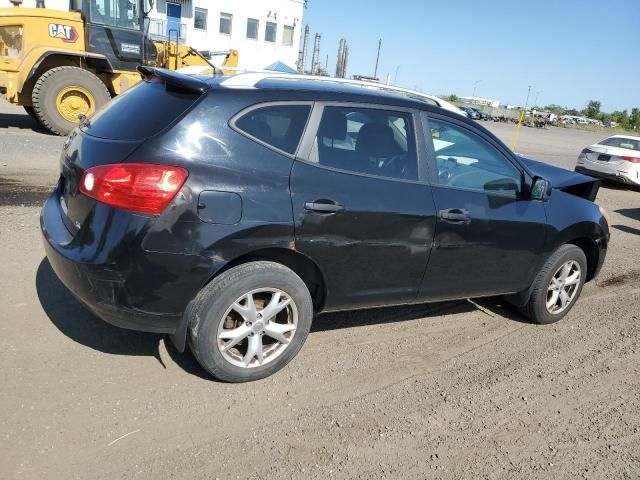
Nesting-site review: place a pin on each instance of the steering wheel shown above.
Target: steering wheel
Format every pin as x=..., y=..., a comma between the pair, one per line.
x=395, y=166
x=453, y=179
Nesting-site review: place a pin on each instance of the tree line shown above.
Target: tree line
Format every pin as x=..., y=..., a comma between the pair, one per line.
x=624, y=118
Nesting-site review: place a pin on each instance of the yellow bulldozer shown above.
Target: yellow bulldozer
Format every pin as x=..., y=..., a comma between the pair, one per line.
x=62, y=66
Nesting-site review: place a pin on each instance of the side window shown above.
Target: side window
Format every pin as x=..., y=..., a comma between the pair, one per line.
x=466, y=160
x=367, y=140
x=280, y=126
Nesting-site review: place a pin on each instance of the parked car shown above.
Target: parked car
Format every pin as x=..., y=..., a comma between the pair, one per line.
x=483, y=116
x=615, y=158
x=471, y=113
x=228, y=211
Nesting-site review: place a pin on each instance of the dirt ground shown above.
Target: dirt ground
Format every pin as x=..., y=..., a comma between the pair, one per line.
x=460, y=390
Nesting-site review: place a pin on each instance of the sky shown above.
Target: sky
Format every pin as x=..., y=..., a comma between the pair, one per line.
x=569, y=51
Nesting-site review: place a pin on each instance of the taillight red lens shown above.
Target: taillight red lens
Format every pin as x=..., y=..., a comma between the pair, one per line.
x=631, y=159
x=586, y=150
x=139, y=187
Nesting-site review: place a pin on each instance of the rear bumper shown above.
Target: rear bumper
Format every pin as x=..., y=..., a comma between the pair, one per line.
x=99, y=293
x=628, y=176
x=117, y=280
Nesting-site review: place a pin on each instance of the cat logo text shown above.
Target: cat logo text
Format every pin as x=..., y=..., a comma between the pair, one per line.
x=65, y=32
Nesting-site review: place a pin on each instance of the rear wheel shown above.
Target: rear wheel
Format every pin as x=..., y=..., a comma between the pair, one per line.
x=250, y=321
x=63, y=93
x=557, y=286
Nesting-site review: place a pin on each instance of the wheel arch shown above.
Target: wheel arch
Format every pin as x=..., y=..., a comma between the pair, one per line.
x=302, y=265
x=60, y=58
x=591, y=251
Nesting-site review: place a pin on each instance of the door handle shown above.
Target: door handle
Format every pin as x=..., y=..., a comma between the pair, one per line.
x=323, y=206
x=455, y=215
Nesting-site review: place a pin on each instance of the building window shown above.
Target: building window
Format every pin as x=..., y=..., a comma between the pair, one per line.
x=252, y=28
x=200, y=18
x=225, y=23
x=270, y=32
x=287, y=36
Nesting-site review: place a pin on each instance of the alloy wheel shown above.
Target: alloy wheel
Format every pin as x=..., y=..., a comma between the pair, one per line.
x=563, y=287
x=257, y=328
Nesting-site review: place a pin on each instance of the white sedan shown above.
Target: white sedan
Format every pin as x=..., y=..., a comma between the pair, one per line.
x=615, y=158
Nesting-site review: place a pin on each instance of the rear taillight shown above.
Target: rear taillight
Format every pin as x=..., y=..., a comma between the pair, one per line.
x=630, y=159
x=586, y=150
x=139, y=187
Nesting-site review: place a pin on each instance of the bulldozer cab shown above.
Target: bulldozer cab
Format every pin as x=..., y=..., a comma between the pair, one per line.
x=115, y=29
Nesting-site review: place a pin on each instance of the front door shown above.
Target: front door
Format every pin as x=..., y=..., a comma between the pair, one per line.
x=113, y=30
x=488, y=236
x=174, y=15
x=362, y=212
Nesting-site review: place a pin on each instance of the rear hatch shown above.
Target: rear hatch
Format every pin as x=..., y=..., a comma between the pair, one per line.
x=112, y=135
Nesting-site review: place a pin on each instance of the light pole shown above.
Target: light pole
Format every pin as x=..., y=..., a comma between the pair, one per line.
x=395, y=77
x=375, y=72
x=526, y=104
x=535, y=104
x=475, y=86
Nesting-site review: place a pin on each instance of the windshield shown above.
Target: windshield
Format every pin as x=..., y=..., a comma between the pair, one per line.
x=115, y=13
x=622, y=142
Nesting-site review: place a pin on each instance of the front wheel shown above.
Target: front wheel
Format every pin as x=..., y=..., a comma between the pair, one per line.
x=249, y=322
x=557, y=286
x=61, y=94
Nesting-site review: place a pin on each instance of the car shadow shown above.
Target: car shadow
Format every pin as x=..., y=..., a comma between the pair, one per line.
x=632, y=213
x=627, y=229
x=21, y=120
x=492, y=306
x=611, y=185
x=76, y=322
x=80, y=325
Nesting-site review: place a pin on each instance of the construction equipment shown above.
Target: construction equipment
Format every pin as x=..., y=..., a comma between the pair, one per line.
x=63, y=65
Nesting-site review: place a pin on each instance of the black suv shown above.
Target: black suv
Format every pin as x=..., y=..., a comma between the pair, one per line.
x=226, y=211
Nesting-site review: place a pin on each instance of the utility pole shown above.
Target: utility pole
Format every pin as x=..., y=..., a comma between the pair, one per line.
x=474, y=87
x=395, y=77
x=375, y=72
x=535, y=104
x=526, y=104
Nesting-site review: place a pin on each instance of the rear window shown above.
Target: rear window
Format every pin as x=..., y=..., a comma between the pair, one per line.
x=279, y=126
x=141, y=112
x=621, y=142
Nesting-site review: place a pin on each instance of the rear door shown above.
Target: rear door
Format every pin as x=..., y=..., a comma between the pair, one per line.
x=362, y=209
x=489, y=236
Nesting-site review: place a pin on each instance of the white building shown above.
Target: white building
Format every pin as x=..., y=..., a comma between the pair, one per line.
x=480, y=101
x=262, y=31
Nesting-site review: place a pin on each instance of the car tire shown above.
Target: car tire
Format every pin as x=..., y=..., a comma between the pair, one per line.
x=59, y=90
x=557, y=275
x=223, y=314
x=30, y=111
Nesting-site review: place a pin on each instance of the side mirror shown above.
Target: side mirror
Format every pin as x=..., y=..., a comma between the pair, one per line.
x=540, y=189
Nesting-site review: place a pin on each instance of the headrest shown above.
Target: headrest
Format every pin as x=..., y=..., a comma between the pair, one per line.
x=333, y=125
x=376, y=140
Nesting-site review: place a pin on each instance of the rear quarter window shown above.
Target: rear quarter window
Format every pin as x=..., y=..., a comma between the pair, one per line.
x=141, y=112
x=278, y=126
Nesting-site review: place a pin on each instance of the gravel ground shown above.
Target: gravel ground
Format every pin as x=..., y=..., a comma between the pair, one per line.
x=458, y=390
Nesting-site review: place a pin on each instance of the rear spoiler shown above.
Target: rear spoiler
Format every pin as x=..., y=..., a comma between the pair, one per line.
x=180, y=80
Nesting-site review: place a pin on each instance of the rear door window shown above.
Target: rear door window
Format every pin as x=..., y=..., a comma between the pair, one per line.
x=368, y=140
x=278, y=126
x=141, y=111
